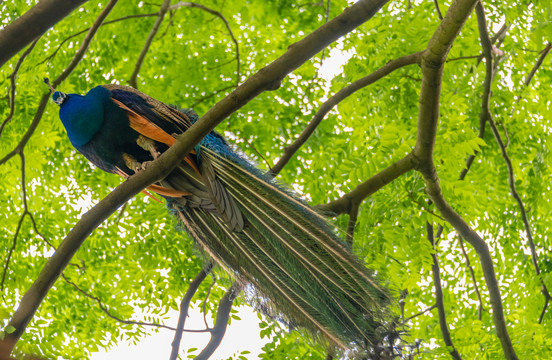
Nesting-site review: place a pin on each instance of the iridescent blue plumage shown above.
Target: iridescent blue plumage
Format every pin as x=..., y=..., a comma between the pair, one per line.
x=254, y=228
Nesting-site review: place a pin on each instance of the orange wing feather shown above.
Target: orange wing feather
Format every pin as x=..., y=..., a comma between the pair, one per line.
x=152, y=131
x=163, y=191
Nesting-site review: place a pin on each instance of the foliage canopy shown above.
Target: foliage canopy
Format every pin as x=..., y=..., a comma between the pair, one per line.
x=136, y=259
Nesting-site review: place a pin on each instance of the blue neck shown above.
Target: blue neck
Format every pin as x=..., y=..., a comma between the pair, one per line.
x=83, y=116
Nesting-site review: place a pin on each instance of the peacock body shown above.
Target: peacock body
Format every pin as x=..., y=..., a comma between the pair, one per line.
x=257, y=230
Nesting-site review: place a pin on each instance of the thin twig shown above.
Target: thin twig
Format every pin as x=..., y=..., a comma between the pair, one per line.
x=49, y=57
x=11, y=90
x=220, y=16
x=420, y=313
x=258, y=153
x=486, y=44
x=106, y=311
x=202, y=99
x=439, y=302
x=464, y=58
x=10, y=252
x=204, y=302
x=485, y=40
x=543, y=54
x=425, y=208
x=480, y=308
x=171, y=16
x=436, y=2
x=328, y=3
x=160, y=15
x=121, y=212
x=19, y=224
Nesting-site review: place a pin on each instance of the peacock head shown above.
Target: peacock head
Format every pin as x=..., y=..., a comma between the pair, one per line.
x=58, y=97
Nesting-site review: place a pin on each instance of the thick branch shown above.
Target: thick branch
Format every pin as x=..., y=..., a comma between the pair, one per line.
x=439, y=303
x=342, y=94
x=434, y=191
x=223, y=314
x=160, y=16
x=266, y=79
x=185, y=305
x=432, y=68
x=32, y=24
x=344, y=204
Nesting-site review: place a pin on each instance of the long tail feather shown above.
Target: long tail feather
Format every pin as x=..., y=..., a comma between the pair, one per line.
x=289, y=254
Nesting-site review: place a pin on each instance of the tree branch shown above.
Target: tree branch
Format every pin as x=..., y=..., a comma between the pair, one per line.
x=11, y=90
x=33, y=24
x=185, y=305
x=204, y=302
x=162, y=11
x=223, y=314
x=480, y=308
x=486, y=43
x=436, y=2
x=219, y=15
x=353, y=214
x=104, y=309
x=87, y=29
x=344, y=204
x=10, y=252
x=439, y=302
x=432, y=68
x=538, y=64
x=206, y=97
x=268, y=78
x=328, y=5
x=342, y=94
x=420, y=313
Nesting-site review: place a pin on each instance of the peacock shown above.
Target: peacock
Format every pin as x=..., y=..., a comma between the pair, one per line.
x=256, y=229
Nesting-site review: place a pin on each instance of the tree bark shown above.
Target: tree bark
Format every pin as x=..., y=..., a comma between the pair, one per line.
x=32, y=24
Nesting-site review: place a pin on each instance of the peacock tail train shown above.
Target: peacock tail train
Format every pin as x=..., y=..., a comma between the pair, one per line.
x=288, y=252
x=257, y=230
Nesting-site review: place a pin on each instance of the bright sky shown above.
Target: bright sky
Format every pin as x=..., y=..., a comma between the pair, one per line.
x=240, y=335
